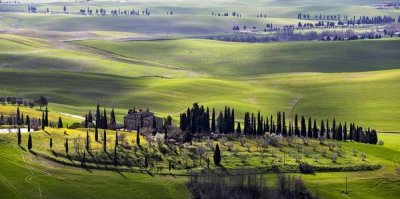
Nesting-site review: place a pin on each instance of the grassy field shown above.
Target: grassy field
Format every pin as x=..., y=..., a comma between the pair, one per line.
x=240, y=59
x=25, y=176
x=348, y=97
x=33, y=175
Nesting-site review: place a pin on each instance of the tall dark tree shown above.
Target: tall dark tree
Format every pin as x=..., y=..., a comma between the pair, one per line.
x=51, y=143
x=46, y=117
x=18, y=117
x=115, y=148
x=233, y=120
x=207, y=120
x=328, y=130
x=217, y=156
x=96, y=133
x=334, y=136
x=19, y=136
x=138, y=136
x=220, y=123
x=315, y=130
x=29, y=142
x=303, y=127
x=213, y=129
x=345, y=131
x=259, y=124
x=87, y=140
x=43, y=121
x=239, y=129
x=104, y=141
x=322, y=132
x=105, y=121
x=28, y=122
x=284, y=129
x=309, y=131
x=113, y=121
x=66, y=146
x=339, y=133
x=98, y=121
x=60, y=123
x=278, y=123
x=296, y=126
x=116, y=138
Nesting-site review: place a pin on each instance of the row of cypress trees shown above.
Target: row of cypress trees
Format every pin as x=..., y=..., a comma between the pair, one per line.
x=197, y=120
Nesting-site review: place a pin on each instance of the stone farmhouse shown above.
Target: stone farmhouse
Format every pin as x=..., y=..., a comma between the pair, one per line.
x=144, y=119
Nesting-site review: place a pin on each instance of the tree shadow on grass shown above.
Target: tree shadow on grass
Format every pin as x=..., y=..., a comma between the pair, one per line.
x=21, y=147
x=33, y=153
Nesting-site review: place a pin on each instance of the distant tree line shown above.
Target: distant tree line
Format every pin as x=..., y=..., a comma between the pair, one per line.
x=226, y=14
x=261, y=15
x=349, y=20
x=9, y=2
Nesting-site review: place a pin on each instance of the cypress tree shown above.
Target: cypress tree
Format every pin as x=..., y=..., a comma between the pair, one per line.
x=19, y=136
x=233, y=120
x=29, y=142
x=309, y=132
x=98, y=115
x=296, y=126
x=60, y=123
x=334, y=136
x=303, y=127
x=339, y=134
x=18, y=117
x=351, y=136
x=220, y=123
x=217, y=156
x=239, y=129
x=345, y=131
x=315, y=130
x=290, y=130
x=115, y=149
x=47, y=117
x=87, y=140
x=322, y=133
x=105, y=141
x=271, y=124
x=138, y=136
x=96, y=133
x=113, y=122
x=284, y=130
x=43, y=121
x=213, y=129
x=207, y=120
x=105, y=124
x=278, y=123
x=22, y=119
x=116, y=138
x=28, y=122
x=267, y=129
x=328, y=130
x=66, y=146
x=51, y=143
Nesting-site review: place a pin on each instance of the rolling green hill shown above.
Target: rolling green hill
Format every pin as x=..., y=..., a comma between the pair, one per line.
x=346, y=96
x=240, y=59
